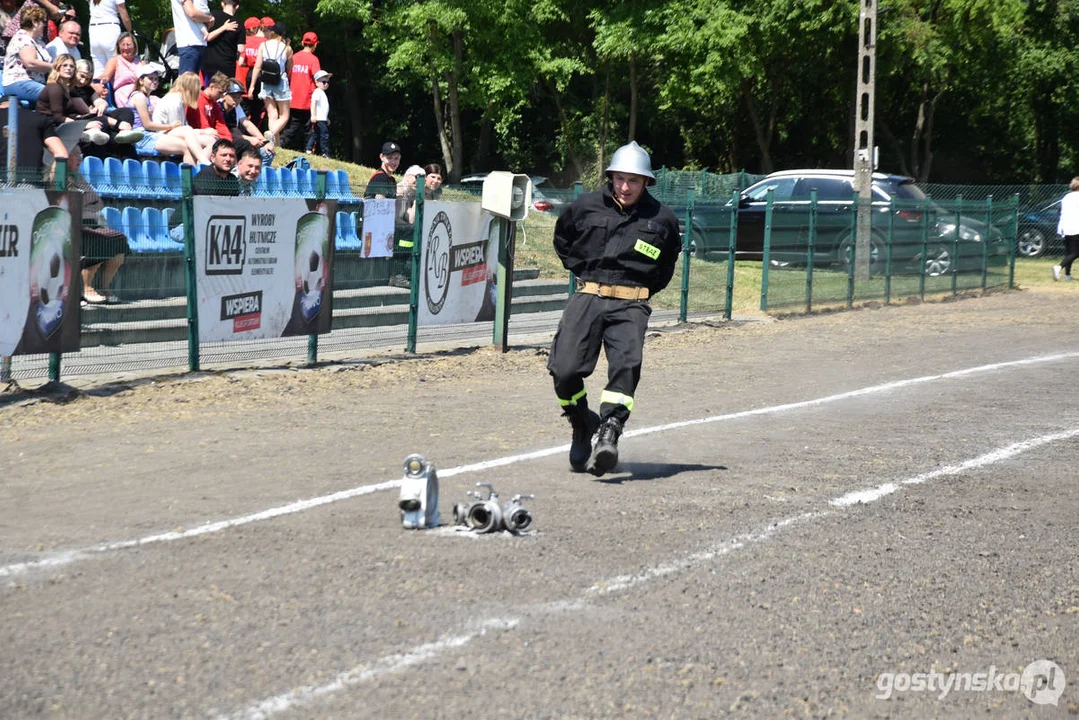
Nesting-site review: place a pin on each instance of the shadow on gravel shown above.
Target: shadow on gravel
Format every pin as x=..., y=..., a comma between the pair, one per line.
x=652, y=471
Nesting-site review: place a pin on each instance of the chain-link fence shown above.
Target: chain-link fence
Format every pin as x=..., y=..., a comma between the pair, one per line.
x=788, y=257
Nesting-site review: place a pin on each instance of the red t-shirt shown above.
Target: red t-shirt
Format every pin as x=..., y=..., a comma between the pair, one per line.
x=251, y=51
x=301, y=81
x=209, y=115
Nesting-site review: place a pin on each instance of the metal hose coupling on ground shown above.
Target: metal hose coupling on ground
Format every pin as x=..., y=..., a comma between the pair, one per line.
x=517, y=518
x=486, y=515
x=418, y=501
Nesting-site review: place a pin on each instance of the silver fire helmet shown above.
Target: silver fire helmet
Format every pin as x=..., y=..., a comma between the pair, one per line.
x=633, y=159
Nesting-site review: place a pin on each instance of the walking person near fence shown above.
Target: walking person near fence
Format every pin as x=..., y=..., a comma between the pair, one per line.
x=622, y=245
x=1068, y=226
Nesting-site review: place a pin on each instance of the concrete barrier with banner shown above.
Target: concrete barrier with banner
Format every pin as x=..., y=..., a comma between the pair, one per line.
x=264, y=267
x=40, y=282
x=458, y=265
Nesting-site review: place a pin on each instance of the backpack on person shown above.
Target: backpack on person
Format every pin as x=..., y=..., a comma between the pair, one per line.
x=271, y=71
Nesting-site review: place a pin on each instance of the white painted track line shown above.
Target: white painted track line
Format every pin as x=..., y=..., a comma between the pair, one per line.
x=58, y=559
x=397, y=662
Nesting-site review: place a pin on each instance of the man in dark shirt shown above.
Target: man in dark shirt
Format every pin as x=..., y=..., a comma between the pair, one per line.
x=224, y=43
x=217, y=178
x=382, y=184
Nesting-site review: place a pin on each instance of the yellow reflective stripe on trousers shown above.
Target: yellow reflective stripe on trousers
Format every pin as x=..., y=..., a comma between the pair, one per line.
x=573, y=400
x=613, y=398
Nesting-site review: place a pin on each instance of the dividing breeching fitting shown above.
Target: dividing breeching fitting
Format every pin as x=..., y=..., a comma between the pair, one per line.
x=516, y=517
x=485, y=515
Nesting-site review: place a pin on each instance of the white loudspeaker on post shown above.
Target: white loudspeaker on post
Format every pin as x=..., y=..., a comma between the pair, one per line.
x=507, y=194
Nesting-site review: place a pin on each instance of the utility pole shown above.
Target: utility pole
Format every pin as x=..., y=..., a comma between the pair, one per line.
x=863, y=126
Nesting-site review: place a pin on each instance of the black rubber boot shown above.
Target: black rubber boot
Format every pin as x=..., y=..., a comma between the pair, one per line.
x=605, y=453
x=584, y=422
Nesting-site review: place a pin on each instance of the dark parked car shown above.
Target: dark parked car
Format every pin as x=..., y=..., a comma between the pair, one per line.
x=835, y=222
x=1038, y=232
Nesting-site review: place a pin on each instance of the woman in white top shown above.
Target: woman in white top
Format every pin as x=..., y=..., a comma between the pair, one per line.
x=172, y=108
x=106, y=18
x=277, y=97
x=27, y=62
x=173, y=138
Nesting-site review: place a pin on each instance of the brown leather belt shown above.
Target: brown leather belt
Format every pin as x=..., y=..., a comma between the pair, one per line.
x=622, y=292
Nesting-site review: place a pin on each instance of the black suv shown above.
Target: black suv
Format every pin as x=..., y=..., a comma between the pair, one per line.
x=835, y=222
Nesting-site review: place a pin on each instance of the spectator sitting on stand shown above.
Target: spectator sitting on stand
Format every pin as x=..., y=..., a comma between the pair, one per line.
x=245, y=135
x=173, y=108
x=123, y=68
x=67, y=41
x=27, y=62
x=175, y=138
x=432, y=182
x=248, y=170
x=207, y=116
x=217, y=178
x=84, y=86
x=57, y=103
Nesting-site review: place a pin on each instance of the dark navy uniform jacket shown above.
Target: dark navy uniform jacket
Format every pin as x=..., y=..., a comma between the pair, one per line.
x=599, y=241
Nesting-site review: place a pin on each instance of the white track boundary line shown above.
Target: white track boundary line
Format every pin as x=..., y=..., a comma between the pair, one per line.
x=430, y=651
x=70, y=556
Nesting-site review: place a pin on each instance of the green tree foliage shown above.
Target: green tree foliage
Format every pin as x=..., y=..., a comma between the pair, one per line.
x=967, y=90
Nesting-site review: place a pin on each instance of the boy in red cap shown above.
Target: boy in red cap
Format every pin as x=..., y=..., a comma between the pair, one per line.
x=302, y=82
x=251, y=40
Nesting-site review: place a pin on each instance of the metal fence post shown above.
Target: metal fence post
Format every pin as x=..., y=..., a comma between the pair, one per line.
x=312, y=339
x=687, y=239
x=955, y=244
x=985, y=241
x=925, y=247
x=187, y=210
x=810, y=247
x=732, y=245
x=888, y=252
x=767, y=249
x=59, y=183
x=414, y=275
x=1011, y=245
x=853, y=251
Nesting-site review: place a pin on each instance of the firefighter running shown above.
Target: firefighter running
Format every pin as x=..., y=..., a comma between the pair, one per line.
x=622, y=245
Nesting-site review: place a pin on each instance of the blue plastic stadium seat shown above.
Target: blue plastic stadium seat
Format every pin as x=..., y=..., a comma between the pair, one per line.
x=156, y=223
x=355, y=229
x=136, y=179
x=113, y=218
x=340, y=225
x=170, y=173
x=115, y=183
x=307, y=181
x=135, y=229
x=288, y=182
x=155, y=180
x=94, y=171
x=343, y=188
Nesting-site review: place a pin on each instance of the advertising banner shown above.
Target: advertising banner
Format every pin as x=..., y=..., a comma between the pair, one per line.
x=458, y=264
x=264, y=267
x=378, y=226
x=40, y=282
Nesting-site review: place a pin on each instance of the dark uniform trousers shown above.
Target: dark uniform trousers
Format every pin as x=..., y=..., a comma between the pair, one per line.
x=588, y=323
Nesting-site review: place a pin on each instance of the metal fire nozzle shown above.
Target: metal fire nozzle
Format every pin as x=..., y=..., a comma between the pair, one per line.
x=418, y=501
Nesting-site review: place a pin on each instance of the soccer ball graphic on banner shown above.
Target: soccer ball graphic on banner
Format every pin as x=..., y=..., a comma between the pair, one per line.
x=49, y=271
x=311, y=262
